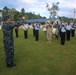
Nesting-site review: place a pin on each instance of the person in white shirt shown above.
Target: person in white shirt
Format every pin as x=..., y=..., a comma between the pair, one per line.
x=63, y=31
x=26, y=30
x=68, y=30
x=37, y=27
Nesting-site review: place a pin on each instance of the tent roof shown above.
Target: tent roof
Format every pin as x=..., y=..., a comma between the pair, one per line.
x=41, y=20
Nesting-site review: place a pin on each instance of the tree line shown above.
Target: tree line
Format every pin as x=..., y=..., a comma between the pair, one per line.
x=16, y=15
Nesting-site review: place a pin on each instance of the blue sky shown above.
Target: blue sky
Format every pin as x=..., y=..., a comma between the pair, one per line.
x=66, y=7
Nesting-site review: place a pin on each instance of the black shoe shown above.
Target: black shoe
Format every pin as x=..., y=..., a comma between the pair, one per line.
x=13, y=65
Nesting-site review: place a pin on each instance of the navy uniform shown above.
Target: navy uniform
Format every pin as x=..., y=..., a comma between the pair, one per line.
x=7, y=29
x=63, y=31
x=37, y=26
x=68, y=30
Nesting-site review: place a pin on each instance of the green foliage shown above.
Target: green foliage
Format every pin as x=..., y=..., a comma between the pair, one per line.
x=23, y=11
x=16, y=15
x=39, y=58
x=66, y=19
x=53, y=10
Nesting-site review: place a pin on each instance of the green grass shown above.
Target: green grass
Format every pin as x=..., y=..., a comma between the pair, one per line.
x=39, y=58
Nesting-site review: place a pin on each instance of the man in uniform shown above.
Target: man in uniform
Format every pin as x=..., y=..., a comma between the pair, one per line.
x=49, y=31
x=7, y=29
x=58, y=29
x=63, y=32
x=37, y=27
x=26, y=30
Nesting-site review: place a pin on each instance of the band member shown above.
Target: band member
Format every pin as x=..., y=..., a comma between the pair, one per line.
x=49, y=31
x=16, y=31
x=26, y=30
x=73, y=30
x=58, y=29
x=68, y=30
x=37, y=27
x=63, y=31
x=7, y=29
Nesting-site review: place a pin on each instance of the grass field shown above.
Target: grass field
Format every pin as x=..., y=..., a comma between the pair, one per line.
x=39, y=58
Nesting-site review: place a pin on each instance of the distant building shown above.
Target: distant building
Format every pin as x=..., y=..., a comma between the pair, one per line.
x=42, y=21
x=1, y=13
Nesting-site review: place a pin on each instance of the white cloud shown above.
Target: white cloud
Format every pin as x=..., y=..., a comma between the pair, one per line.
x=28, y=1
x=39, y=6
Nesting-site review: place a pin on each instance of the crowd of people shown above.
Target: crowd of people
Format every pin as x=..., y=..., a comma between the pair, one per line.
x=63, y=30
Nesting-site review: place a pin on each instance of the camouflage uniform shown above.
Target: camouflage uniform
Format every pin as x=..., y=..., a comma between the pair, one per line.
x=7, y=29
x=49, y=32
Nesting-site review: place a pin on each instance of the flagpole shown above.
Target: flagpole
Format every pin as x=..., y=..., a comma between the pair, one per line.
x=74, y=14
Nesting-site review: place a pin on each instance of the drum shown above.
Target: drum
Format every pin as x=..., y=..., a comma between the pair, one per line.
x=55, y=31
x=0, y=27
x=44, y=29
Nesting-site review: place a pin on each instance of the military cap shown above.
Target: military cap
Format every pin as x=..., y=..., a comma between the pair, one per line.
x=6, y=17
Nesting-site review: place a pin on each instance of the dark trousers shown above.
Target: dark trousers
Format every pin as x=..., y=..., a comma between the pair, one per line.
x=25, y=34
x=62, y=38
x=33, y=32
x=60, y=33
x=72, y=33
x=16, y=31
x=9, y=53
x=68, y=35
x=56, y=37
x=36, y=35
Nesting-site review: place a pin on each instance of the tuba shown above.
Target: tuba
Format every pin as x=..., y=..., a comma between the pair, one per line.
x=22, y=27
x=0, y=27
x=48, y=22
x=55, y=30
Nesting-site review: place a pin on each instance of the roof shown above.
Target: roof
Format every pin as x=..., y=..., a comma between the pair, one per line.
x=41, y=20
